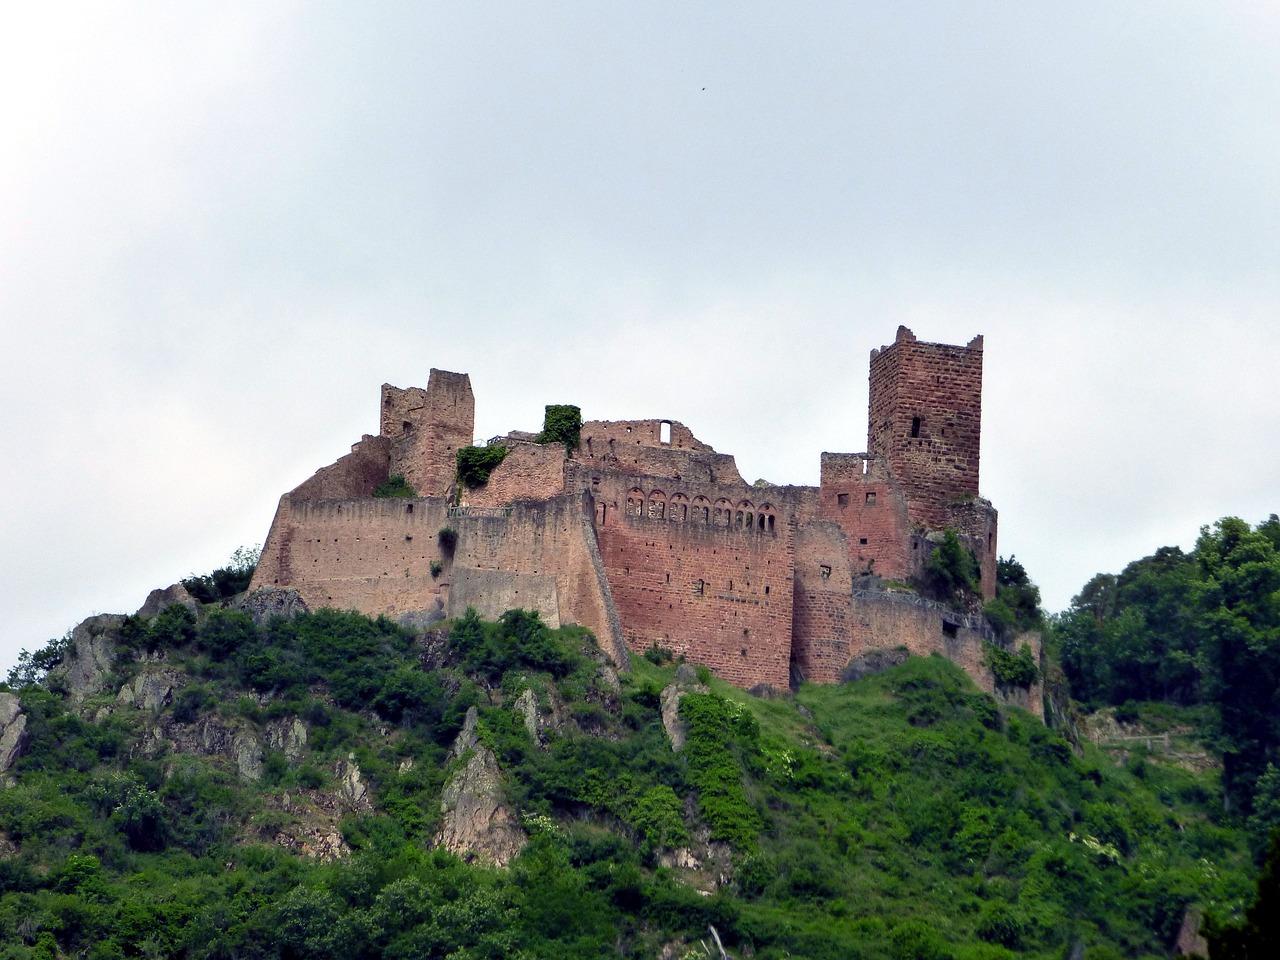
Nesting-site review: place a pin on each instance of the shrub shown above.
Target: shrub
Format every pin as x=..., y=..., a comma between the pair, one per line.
x=952, y=571
x=225, y=581
x=226, y=631
x=1012, y=670
x=476, y=463
x=396, y=486
x=448, y=539
x=562, y=423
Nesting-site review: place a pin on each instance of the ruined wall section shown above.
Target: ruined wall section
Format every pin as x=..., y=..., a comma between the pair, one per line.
x=885, y=620
x=635, y=447
x=925, y=420
x=975, y=522
x=375, y=556
x=860, y=494
x=355, y=475
x=427, y=428
x=822, y=588
x=530, y=471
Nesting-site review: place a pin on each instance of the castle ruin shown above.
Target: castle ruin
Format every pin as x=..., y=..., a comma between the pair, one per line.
x=647, y=536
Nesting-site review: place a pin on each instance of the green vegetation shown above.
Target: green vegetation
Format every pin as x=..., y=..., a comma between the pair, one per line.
x=1012, y=670
x=952, y=573
x=1196, y=629
x=562, y=423
x=476, y=463
x=1016, y=606
x=906, y=815
x=225, y=582
x=396, y=486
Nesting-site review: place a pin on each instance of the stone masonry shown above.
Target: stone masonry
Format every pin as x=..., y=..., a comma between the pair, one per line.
x=648, y=536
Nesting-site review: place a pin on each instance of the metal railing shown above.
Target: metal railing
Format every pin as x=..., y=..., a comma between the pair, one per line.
x=478, y=512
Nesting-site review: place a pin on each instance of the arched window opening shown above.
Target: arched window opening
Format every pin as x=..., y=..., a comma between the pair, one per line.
x=915, y=427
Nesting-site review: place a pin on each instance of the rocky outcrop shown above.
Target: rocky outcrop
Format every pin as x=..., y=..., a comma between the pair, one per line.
x=872, y=662
x=92, y=654
x=477, y=824
x=542, y=719
x=151, y=689
x=13, y=730
x=268, y=602
x=288, y=735
x=1191, y=942
x=160, y=600
x=353, y=792
x=208, y=737
x=686, y=681
x=420, y=620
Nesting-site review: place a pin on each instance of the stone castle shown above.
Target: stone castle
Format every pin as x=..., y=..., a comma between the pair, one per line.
x=647, y=536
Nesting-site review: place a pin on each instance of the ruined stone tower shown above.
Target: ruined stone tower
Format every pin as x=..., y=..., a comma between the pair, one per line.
x=925, y=421
x=427, y=428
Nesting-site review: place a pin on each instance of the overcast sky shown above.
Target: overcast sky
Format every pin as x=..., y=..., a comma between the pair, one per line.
x=224, y=226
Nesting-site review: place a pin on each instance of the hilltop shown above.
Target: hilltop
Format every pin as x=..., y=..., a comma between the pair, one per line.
x=223, y=780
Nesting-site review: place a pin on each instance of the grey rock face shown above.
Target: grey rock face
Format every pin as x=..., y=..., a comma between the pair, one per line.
x=353, y=792
x=247, y=751
x=13, y=729
x=420, y=620
x=151, y=689
x=871, y=662
x=92, y=654
x=288, y=735
x=268, y=602
x=686, y=681
x=477, y=825
x=159, y=600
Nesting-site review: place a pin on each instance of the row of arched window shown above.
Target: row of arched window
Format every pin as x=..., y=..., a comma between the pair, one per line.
x=744, y=515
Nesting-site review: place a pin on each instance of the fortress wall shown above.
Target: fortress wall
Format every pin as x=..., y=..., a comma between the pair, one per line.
x=823, y=586
x=887, y=621
x=375, y=556
x=556, y=538
x=721, y=596
x=363, y=554
x=354, y=475
x=859, y=494
x=531, y=471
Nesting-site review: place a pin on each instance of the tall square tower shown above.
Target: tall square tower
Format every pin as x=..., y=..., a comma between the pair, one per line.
x=925, y=420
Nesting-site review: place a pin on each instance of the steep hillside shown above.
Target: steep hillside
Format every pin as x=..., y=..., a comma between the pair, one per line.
x=272, y=782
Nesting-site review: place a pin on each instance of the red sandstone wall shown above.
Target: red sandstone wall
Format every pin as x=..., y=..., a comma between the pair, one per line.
x=886, y=621
x=428, y=427
x=375, y=556
x=633, y=447
x=823, y=585
x=531, y=471
x=355, y=475
x=934, y=391
x=859, y=494
x=721, y=595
